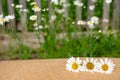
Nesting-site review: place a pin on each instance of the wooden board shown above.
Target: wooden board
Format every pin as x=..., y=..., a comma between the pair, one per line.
x=52, y=69
x=1, y=11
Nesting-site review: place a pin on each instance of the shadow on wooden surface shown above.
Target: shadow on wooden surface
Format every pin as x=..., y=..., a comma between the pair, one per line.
x=52, y=69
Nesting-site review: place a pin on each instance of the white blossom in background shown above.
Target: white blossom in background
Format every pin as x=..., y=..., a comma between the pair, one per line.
x=60, y=11
x=99, y=31
x=43, y=19
x=84, y=7
x=28, y=0
x=1, y=19
x=33, y=3
x=94, y=0
x=90, y=24
x=35, y=24
x=53, y=18
x=12, y=4
x=56, y=2
x=62, y=1
x=46, y=26
x=106, y=20
x=23, y=10
x=18, y=6
x=36, y=8
x=33, y=17
x=39, y=27
x=95, y=19
x=65, y=5
x=73, y=22
x=11, y=17
x=80, y=22
x=47, y=9
x=91, y=7
x=43, y=10
x=78, y=3
x=6, y=19
x=108, y=1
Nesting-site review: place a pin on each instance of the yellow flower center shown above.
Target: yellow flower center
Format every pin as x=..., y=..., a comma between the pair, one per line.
x=1, y=20
x=62, y=0
x=33, y=3
x=36, y=8
x=81, y=22
x=74, y=66
x=105, y=67
x=90, y=66
x=90, y=23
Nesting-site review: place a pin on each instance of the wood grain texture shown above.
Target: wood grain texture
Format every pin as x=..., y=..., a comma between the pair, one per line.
x=106, y=10
x=116, y=15
x=38, y=13
x=52, y=69
x=10, y=8
x=23, y=17
x=90, y=13
x=79, y=12
x=11, y=11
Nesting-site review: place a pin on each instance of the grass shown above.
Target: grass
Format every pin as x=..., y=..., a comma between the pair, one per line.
x=93, y=45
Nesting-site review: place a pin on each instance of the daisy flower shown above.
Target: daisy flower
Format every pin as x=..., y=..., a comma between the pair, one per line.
x=90, y=24
x=35, y=24
x=90, y=65
x=95, y=19
x=23, y=10
x=28, y=0
x=62, y=1
x=73, y=64
x=108, y=1
x=94, y=0
x=91, y=7
x=106, y=20
x=33, y=17
x=53, y=18
x=39, y=27
x=105, y=66
x=81, y=22
x=6, y=19
x=55, y=2
x=11, y=17
x=33, y=3
x=36, y=8
x=12, y=4
x=78, y=3
x=18, y=6
x=1, y=19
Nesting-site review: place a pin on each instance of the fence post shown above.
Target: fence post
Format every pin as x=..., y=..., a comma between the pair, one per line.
x=116, y=15
x=23, y=16
x=90, y=10
x=38, y=13
x=1, y=11
x=79, y=11
x=51, y=13
x=11, y=11
x=105, y=20
x=65, y=7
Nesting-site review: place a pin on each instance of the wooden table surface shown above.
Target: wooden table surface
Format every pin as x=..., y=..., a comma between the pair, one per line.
x=50, y=69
